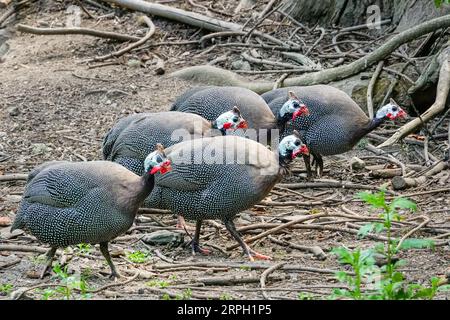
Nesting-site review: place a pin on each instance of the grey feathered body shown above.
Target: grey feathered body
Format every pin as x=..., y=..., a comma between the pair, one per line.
x=335, y=124
x=134, y=137
x=69, y=203
x=210, y=102
x=210, y=189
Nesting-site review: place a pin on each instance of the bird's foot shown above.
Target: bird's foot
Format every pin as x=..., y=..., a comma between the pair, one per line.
x=197, y=249
x=115, y=275
x=253, y=255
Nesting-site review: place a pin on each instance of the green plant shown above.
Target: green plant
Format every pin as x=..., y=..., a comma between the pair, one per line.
x=84, y=248
x=69, y=284
x=6, y=288
x=439, y=3
x=158, y=283
x=225, y=296
x=390, y=282
x=138, y=256
x=305, y=296
x=166, y=296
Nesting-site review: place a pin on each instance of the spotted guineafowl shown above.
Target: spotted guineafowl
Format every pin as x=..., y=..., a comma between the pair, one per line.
x=336, y=122
x=218, y=177
x=67, y=203
x=134, y=137
x=211, y=101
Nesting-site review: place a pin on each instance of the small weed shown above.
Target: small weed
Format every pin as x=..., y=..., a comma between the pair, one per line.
x=6, y=288
x=305, y=296
x=138, y=256
x=389, y=283
x=158, y=283
x=84, y=248
x=225, y=296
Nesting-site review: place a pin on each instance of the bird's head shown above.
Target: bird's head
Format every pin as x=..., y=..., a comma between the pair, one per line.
x=391, y=111
x=157, y=161
x=293, y=107
x=230, y=120
x=291, y=146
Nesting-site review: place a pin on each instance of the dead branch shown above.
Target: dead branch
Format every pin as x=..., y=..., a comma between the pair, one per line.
x=278, y=228
x=372, y=83
x=438, y=106
x=249, y=266
x=264, y=276
x=328, y=184
x=233, y=280
x=22, y=248
x=315, y=250
x=400, y=183
x=136, y=44
x=426, y=220
x=216, y=76
x=83, y=31
x=14, y=177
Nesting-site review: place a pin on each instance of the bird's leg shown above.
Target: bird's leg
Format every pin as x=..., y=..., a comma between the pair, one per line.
x=307, y=160
x=195, y=241
x=105, y=252
x=252, y=254
x=49, y=255
x=181, y=223
x=319, y=165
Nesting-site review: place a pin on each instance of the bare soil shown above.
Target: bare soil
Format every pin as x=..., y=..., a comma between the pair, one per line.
x=63, y=111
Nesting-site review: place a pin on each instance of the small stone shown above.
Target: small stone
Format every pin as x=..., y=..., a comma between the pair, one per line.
x=5, y=221
x=13, y=111
x=357, y=164
x=134, y=63
x=38, y=148
x=163, y=237
x=241, y=65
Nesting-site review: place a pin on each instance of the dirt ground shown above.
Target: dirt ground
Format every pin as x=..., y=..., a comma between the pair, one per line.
x=52, y=107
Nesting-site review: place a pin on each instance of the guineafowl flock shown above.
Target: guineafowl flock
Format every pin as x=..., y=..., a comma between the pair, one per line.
x=206, y=158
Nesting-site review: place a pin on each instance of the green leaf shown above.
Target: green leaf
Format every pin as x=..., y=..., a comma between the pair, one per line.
x=376, y=200
x=403, y=203
x=366, y=229
x=417, y=244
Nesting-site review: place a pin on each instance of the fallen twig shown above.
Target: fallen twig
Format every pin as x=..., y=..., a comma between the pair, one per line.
x=83, y=31
x=136, y=44
x=264, y=276
x=426, y=220
x=13, y=177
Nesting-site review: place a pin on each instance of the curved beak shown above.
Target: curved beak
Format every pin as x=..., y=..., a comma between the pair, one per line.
x=243, y=124
x=302, y=111
x=303, y=149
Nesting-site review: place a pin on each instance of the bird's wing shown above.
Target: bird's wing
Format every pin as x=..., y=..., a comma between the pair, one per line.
x=60, y=185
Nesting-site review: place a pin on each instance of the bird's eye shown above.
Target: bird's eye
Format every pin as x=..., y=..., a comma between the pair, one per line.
x=297, y=142
x=235, y=119
x=159, y=159
x=394, y=109
x=295, y=104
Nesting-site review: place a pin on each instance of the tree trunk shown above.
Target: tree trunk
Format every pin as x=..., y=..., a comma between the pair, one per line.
x=344, y=13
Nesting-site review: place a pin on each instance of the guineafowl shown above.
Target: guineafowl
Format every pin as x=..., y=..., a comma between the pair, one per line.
x=133, y=137
x=67, y=203
x=336, y=122
x=211, y=101
x=218, y=177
